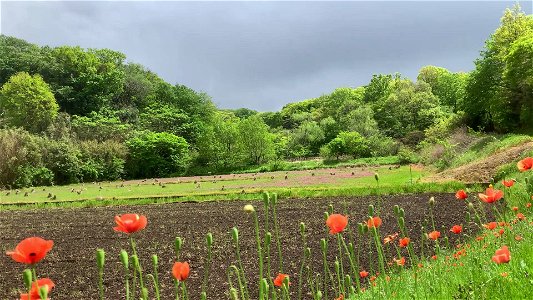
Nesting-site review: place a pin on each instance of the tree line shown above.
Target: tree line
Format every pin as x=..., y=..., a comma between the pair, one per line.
x=69, y=114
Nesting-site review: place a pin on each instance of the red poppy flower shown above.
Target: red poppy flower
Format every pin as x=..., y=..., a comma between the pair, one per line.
x=434, y=235
x=279, y=279
x=34, y=291
x=515, y=208
x=491, y=195
x=502, y=255
x=130, y=223
x=434, y=257
x=31, y=250
x=363, y=274
x=399, y=262
x=508, y=183
x=491, y=225
x=404, y=242
x=520, y=216
x=528, y=205
x=373, y=222
x=336, y=223
x=181, y=270
x=457, y=229
x=461, y=195
x=341, y=297
x=525, y=164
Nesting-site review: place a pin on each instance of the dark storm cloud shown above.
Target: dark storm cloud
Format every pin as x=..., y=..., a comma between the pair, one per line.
x=263, y=55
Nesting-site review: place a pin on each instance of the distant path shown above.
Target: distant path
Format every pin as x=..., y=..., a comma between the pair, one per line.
x=481, y=170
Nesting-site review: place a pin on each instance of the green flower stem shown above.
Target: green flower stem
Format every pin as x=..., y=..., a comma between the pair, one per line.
x=138, y=266
x=259, y=253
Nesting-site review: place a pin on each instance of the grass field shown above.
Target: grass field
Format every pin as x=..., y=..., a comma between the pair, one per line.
x=331, y=181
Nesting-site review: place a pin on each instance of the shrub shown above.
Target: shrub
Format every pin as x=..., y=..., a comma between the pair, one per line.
x=18, y=149
x=407, y=156
x=157, y=155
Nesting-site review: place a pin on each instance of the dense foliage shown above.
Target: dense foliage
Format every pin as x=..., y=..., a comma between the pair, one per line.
x=69, y=114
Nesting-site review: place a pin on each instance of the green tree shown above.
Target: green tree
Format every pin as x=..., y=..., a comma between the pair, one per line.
x=154, y=154
x=256, y=140
x=27, y=101
x=448, y=86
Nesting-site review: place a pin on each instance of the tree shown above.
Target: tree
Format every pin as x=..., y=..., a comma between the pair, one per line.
x=27, y=101
x=518, y=78
x=157, y=155
x=256, y=140
x=448, y=86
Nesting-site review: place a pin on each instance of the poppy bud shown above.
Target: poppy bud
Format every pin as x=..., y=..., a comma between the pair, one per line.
x=347, y=280
x=468, y=217
x=365, y=229
x=337, y=267
x=371, y=210
x=155, y=260
x=360, y=228
x=326, y=215
x=233, y=294
x=401, y=220
x=266, y=199
x=350, y=248
x=27, y=278
x=274, y=199
x=135, y=260
x=376, y=176
x=178, y=242
x=319, y=295
x=100, y=258
x=264, y=286
x=144, y=293
x=432, y=201
x=330, y=209
x=470, y=205
x=249, y=208
x=491, y=180
x=307, y=252
x=209, y=239
x=235, y=234
x=402, y=213
x=268, y=238
x=396, y=210
x=302, y=228
x=323, y=245
x=203, y=296
x=124, y=259
x=43, y=292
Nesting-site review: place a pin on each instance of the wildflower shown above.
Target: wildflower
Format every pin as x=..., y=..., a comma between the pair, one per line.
x=363, y=274
x=461, y=195
x=434, y=235
x=249, y=208
x=399, y=262
x=374, y=222
x=31, y=250
x=181, y=270
x=504, y=274
x=520, y=216
x=525, y=164
x=508, y=183
x=341, y=297
x=420, y=265
x=130, y=223
x=373, y=278
x=515, y=208
x=501, y=232
x=457, y=229
x=528, y=205
x=391, y=237
x=491, y=225
x=518, y=238
x=278, y=281
x=404, y=242
x=502, y=255
x=434, y=257
x=491, y=195
x=36, y=286
x=336, y=223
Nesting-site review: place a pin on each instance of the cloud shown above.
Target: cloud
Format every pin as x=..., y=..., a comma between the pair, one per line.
x=263, y=55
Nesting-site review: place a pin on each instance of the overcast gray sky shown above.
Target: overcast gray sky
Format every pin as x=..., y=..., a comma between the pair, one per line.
x=263, y=55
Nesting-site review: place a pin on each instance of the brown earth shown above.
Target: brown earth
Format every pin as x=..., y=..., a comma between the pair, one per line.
x=77, y=233
x=483, y=170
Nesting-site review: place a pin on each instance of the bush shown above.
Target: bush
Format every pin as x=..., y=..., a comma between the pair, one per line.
x=18, y=149
x=407, y=156
x=33, y=176
x=157, y=155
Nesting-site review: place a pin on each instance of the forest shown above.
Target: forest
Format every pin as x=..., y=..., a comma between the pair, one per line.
x=71, y=115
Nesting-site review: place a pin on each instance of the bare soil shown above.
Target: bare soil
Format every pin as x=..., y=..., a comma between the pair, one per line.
x=78, y=233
